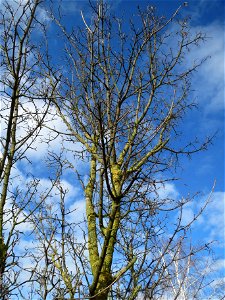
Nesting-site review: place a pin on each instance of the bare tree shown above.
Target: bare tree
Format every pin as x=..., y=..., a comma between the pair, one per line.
x=122, y=99
x=121, y=94
x=22, y=115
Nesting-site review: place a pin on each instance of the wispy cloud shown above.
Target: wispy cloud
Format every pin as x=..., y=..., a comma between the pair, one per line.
x=211, y=222
x=209, y=81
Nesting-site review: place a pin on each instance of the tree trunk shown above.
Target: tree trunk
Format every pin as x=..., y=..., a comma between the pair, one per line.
x=105, y=279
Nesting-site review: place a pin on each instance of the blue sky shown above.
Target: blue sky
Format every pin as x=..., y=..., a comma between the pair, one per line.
x=196, y=174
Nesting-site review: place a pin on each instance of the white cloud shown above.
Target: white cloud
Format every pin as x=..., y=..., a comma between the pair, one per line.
x=17, y=7
x=187, y=216
x=78, y=217
x=214, y=222
x=218, y=265
x=209, y=80
x=168, y=190
x=211, y=222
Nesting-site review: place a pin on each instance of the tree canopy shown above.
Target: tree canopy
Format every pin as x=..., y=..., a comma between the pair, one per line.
x=115, y=100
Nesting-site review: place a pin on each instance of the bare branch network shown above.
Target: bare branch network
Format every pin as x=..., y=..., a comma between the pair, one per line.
x=104, y=103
